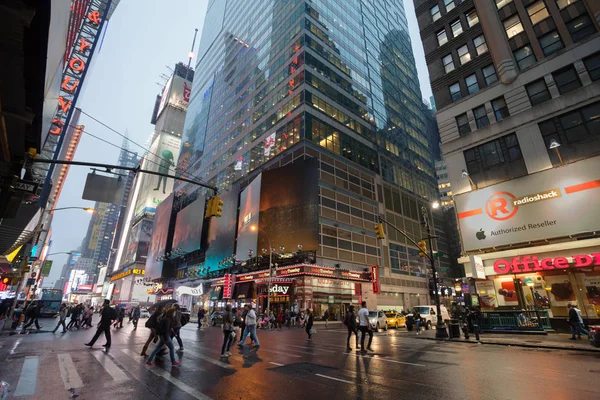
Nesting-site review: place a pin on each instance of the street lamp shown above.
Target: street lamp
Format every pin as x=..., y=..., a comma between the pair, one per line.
x=555, y=145
x=60, y=252
x=86, y=209
x=440, y=331
x=255, y=228
x=465, y=174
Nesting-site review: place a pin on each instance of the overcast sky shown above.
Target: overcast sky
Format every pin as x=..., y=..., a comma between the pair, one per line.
x=143, y=37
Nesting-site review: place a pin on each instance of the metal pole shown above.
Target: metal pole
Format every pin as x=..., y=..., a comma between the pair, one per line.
x=270, y=271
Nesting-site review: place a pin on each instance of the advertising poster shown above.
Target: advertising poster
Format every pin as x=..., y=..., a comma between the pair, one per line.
x=506, y=293
x=221, y=231
x=137, y=243
x=561, y=290
x=188, y=227
x=487, y=294
x=158, y=242
x=249, y=212
x=591, y=282
x=161, y=158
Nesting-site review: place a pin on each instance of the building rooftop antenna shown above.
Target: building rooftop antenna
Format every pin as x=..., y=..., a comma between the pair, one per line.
x=191, y=53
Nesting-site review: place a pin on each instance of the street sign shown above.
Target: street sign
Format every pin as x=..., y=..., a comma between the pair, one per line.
x=26, y=186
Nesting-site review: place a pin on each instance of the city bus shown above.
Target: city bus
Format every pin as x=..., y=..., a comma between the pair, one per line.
x=50, y=300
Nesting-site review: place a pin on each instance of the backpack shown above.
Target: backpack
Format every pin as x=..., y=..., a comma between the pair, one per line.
x=114, y=314
x=346, y=320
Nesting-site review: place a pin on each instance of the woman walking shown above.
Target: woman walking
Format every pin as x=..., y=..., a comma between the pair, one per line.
x=309, y=323
x=165, y=327
x=152, y=324
x=228, y=320
x=177, y=326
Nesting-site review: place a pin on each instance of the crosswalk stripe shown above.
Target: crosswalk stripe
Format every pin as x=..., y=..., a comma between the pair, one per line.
x=68, y=372
x=28, y=378
x=167, y=376
x=332, y=378
x=209, y=359
x=117, y=374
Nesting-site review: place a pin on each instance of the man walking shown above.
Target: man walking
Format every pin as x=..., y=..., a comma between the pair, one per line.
x=350, y=322
x=326, y=317
x=62, y=316
x=365, y=327
x=33, y=312
x=576, y=323
x=135, y=316
x=108, y=315
x=250, y=328
x=201, y=313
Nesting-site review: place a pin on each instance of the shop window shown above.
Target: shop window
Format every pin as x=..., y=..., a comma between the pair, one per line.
x=455, y=93
x=448, y=63
x=592, y=64
x=537, y=92
x=472, y=85
x=513, y=26
x=566, y=79
x=550, y=43
x=480, y=44
x=442, y=37
x=472, y=18
x=563, y=3
x=524, y=57
x=435, y=13
x=489, y=74
x=462, y=121
x=537, y=12
x=581, y=27
x=481, y=118
x=463, y=54
x=500, y=108
x=502, y=3
x=449, y=5
x=456, y=28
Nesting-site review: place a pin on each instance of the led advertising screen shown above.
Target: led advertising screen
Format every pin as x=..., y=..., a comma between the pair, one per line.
x=137, y=243
x=188, y=227
x=158, y=242
x=221, y=231
x=249, y=211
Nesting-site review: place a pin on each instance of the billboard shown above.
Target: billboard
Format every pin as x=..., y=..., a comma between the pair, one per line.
x=160, y=230
x=161, y=158
x=138, y=240
x=221, y=231
x=176, y=94
x=188, y=227
x=247, y=238
x=548, y=204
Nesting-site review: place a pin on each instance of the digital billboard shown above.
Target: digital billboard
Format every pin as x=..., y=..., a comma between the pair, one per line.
x=221, y=231
x=158, y=242
x=176, y=94
x=188, y=227
x=138, y=240
x=247, y=238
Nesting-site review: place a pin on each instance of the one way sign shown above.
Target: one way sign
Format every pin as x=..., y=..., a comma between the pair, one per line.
x=26, y=186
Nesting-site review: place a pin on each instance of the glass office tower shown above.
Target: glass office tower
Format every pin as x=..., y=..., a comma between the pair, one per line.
x=283, y=81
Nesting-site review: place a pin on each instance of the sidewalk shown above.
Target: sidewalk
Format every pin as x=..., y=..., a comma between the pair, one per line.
x=559, y=341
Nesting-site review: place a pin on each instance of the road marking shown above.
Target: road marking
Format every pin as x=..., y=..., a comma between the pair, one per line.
x=117, y=374
x=68, y=372
x=312, y=348
x=274, y=363
x=28, y=378
x=210, y=360
x=386, y=359
x=167, y=376
x=335, y=379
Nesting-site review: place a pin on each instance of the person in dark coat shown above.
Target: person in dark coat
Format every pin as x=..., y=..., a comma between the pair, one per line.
x=164, y=331
x=121, y=316
x=33, y=312
x=108, y=315
x=350, y=321
x=201, y=313
x=135, y=316
x=309, y=324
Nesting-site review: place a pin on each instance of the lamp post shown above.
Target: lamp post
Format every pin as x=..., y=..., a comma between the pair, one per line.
x=555, y=145
x=465, y=174
x=255, y=228
x=440, y=331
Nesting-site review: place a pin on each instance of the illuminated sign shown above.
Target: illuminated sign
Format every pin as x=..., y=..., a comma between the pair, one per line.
x=228, y=286
x=197, y=291
x=533, y=264
x=123, y=274
x=280, y=290
x=375, y=278
x=289, y=271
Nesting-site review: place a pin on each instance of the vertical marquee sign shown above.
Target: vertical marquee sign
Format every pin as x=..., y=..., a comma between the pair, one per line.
x=375, y=278
x=74, y=73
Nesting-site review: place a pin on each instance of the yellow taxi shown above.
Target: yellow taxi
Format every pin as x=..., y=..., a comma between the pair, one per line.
x=395, y=319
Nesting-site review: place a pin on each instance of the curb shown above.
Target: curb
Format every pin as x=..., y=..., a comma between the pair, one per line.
x=591, y=350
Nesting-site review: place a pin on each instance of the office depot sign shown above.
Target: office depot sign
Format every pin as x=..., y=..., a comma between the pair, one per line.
x=527, y=264
x=553, y=203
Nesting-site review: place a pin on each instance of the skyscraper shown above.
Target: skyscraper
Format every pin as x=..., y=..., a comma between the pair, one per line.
x=329, y=85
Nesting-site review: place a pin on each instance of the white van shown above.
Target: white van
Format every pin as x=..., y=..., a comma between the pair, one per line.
x=429, y=314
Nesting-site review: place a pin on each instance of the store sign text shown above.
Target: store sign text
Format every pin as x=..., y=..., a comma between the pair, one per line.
x=133, y=271
x=280, y=289
x=533, y=264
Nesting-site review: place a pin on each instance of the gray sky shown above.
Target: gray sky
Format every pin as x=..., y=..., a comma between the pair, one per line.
x=143, y=37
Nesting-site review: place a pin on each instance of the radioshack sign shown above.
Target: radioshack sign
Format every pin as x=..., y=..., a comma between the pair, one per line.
x=552, y=203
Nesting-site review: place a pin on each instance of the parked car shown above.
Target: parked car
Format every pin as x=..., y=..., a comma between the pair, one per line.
x=428, y=316
x=216, y=318
x=185, y=316
x=395, y=320
x=378, y=320
x=144, y=313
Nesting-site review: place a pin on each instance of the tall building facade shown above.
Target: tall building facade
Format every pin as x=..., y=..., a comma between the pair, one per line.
x=518, y=104
x=331, y=83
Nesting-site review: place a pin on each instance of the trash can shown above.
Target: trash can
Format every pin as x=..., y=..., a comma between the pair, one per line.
x=454, y=330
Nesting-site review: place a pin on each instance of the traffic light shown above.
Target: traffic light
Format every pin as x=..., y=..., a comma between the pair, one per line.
x=379, y=231
x=422, y=248
x=214, y=207
x=209, y=208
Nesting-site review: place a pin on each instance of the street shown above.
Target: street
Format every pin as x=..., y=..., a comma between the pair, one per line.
x=59, y=366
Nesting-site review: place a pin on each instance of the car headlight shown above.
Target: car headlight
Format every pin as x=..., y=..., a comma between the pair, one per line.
x=373, y=320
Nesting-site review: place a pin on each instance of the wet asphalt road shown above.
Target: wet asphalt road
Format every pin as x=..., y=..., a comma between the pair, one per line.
x=287, y=366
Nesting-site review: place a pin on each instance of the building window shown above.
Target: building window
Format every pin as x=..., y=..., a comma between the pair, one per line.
x=435, y=13
x=502, y=3
x=472, y=85
x=472, y=18
x=566, y=79
x=592, y=64
x=513, y=26
x=550, y=43
x=524, y=57
x=455, y=92
x=495, y=161
x=538, y=92
x=500, y=109
x=581, y=27
x=462, y=121
x=578, y=133
x=480, y=44
x=448, y=63
x=449, y=5
x=481, y=118
x=456, y=28
x=489, y=73
x=463, y=54
x=537, y=12
x=442, y=37
x=563, y=3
